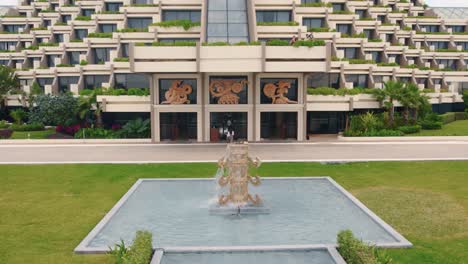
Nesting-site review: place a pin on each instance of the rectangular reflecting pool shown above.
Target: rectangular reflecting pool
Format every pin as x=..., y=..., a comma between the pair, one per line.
x=318, y=256
x=304, y=212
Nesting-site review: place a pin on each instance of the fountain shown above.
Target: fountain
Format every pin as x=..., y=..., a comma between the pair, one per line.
x=233, y=182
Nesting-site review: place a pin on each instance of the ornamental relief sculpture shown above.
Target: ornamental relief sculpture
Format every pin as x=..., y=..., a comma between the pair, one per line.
x=226, y=90
x=178, y=93
x=277, y=92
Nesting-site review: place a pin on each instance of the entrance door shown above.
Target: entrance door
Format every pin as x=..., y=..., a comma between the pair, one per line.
x=325, y=122
x=178, y=126
x=278, y=125
x=223, y=122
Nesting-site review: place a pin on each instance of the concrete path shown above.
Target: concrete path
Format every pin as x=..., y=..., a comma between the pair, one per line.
x=335, y=151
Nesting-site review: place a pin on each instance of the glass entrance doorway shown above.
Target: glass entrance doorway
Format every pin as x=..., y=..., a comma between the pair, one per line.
x=223, y=122
x=325, y=122
x=178, y=126
x=278, y=125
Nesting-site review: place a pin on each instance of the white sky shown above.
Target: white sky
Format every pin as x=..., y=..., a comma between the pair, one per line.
x=451, y=3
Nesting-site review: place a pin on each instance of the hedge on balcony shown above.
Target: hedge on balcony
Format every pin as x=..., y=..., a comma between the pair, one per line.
x=298, y=43
x=319, y=29
x=100, y=35
x=170, y=44
x=186, y=24
x=83, y=18
x=126, y=30
x=112, y=91
x=320, y=4
x=338, y=92
x=242, y=43
x=285, y=23
x=121, y=59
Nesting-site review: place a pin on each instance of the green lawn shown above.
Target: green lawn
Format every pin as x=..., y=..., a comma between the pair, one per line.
x=457, y=128
x=46, y=210
x=32, y=134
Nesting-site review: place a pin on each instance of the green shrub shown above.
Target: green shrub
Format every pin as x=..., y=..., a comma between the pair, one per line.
x=175, y=43
x=83, y=18
x=318, y=29
x=308, y=43
x=277, y=42
x=28, y=127
x=186, y=24
x=432, y=122
x=54, y=110
x=410, y=129
x=18, y=115
x=98, y=133
x=4, y=124
x=339, y=92
x=83, y=63
x=100, y=35
x=354, y=251
x=119, y=252
x=137, y=128
x=138, y=91
x=125, y=30
x=141, y=250
x=5, y=133
x=465, y=99
x=121, y=59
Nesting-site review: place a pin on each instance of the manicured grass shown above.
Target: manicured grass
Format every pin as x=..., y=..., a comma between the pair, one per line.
x=457, y=128
x=46, y=210
x=32, y=134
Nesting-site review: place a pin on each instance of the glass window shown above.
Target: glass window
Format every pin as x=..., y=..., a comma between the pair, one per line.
x=430, y=28
x=192, y=15
x=44, y=81
x=464, y=45
x=309, y=1
x=228, y=89
x=107, y=28
x=140, y=22
x=74, y=57
x=369, y=33
x=51, y=60
x=142, y=2
x=9, y=45
x=361, y=13
x=172, y=40
x=113, y=7
x=58, y=38
x=66, y=18
x=125, y=50
x=457, y=28
x=324, y=80
x=81, y=33
x=289, y=87
x=313, y=22
x=358, y=80
x=274, y=16
x=178, y=126
x=448, y=63
x=344, y=28
x=188, y=86
x=131, y=80
x=101, y=55
x=47, y=23
x=438, y=44
x=338, y=7
x=227, y=21
x=376, y=56
x=4, y=62
x=349, y=53
x=65, y=82
x=87, y=12
x=12, y=28
x=278, y=125
x=381, y=18
x=95, y=81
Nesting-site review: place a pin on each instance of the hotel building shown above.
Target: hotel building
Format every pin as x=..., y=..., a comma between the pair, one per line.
x=199, y=85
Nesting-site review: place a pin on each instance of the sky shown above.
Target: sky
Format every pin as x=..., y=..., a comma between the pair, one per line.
x=451, y=3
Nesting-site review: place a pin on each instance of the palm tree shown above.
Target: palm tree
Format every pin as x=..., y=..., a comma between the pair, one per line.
x=8, y=82
x=388, y=95
x=409, y=98
x=85, y=105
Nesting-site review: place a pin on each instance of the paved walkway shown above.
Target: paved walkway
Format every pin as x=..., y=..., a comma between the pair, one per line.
x=335, y=151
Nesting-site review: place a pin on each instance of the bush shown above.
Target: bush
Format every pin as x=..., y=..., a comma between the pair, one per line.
x=70, y=130
x=465, y=99
x=54, y=110
x=354, y=251
x=5, y=133
x=139, y=253
x=432, y=121
x=95, y=133
x=277, y=42
x=18, y=115
x=28, y=127
x=137, y=128
x=308, y=43
x=186, y=24
x=138, y=91
x=452, y=117
x=4, y=124
x=410, y=129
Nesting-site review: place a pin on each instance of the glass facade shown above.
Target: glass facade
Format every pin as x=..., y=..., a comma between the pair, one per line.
x=227, y=21
x=113, y=7
x=74, y=57
x=292, y=93
x=274, y=16
x=107, y=28
x=131, y=80
x=140, y=22
x=358, y=80
x=192, y=15
x=166, y=84
x=101, y=55
x=95, y=81
x=324, y=80
x=325, y=122
x=65, y=82
x=81, y=33
x=278, y=125
x=313, y=22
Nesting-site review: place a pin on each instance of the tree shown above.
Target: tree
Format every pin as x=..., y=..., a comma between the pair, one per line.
x=85, y=108
x=410, y=99
x=54, y=110
x=8, y=83
x=391, y=92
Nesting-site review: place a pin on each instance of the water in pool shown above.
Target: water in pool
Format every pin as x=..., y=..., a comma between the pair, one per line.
x=302, y=212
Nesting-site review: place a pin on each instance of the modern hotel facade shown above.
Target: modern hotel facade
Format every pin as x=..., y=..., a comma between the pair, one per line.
x=260, y=90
